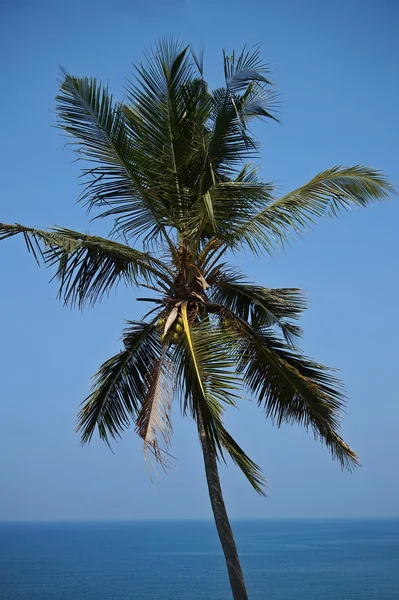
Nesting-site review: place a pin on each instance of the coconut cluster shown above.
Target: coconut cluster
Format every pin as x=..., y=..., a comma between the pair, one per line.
x=174, y=333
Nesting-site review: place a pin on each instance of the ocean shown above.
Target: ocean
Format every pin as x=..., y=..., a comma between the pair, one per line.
x=182, y=560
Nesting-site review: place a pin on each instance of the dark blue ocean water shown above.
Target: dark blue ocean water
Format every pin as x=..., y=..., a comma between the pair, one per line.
x=282, y=560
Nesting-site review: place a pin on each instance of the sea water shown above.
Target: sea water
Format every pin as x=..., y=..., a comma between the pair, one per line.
x=182, y=560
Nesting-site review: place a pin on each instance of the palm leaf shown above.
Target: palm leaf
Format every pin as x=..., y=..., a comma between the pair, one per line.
x=248, y=82
x=206, y=378
x=225, y=205
x=120, y=385
x=89, y=266
x=191, y=346
x=246, y=68
x=257, y=305
x=328, y=193
x=167, y=110
x=227, y=141
x=153, y=423
x=98, y=129
x=248, y=467
x=291, y=387
x=207, y=381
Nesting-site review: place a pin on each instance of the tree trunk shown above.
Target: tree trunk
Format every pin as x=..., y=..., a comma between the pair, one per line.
x=221, y=519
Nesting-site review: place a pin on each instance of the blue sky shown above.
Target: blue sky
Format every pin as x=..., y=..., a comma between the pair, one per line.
x=335, y=65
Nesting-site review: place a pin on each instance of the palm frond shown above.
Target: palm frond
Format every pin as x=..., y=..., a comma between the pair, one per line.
x=97, y=126
x=258, y=306
x=89, y=266
x=248, y=467
x=248, y=94
x=153, y=423
x=167, y=111
x=193, y=353
x=120, y=385
x=246, y=68
x=207, y=381
x=225, y=205
x=290, y=387
x=229, y=144
x=248, y=82
x=206, y=378
x=328, y=193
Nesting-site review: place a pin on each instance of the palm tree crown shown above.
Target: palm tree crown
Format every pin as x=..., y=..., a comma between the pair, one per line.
x=170, y=165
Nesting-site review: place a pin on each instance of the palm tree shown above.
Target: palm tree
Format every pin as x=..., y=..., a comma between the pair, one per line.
x=170, y=165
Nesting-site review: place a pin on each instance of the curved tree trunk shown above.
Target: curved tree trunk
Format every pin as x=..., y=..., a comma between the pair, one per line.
x=221, y=519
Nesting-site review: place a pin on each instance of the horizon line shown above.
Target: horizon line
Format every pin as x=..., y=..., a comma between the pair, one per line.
x=196, y=519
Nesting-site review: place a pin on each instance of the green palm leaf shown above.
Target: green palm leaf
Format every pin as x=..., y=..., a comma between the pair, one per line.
x=207, y=380
x=247, y=94
x=205, y=374
x=97, y=126
x=257, y=305
x=242, y=70
x=120, y=385
x=167, y=110
x=89, y=266
x=328, y=193
x=205, y=361
x=225, y=205
x=247, y=466
x=292, y=388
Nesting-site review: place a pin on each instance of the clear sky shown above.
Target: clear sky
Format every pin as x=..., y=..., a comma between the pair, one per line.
x=335, y=65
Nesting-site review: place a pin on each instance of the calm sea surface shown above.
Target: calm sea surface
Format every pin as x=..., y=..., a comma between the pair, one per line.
x=158, y=560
